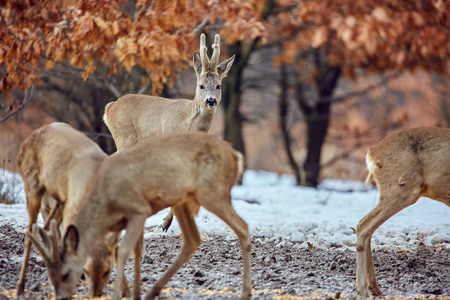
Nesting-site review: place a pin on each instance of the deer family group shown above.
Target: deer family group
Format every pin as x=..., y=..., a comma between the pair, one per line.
x=165, y=158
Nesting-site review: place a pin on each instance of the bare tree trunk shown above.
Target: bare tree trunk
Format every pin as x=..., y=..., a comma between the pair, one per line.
x=317, y=121
x=317, y=114
x=232, y=101
x=443, y=92
x=231, y=97
x=283, y=112
x=100, y=98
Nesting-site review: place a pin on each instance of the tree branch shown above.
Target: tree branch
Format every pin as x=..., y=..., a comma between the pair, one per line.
x=362, y=91
x=94, y=135
x=342, y=155
x=27, y=99
x=291, y=35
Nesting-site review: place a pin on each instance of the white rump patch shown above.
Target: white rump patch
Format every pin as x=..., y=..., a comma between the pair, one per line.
x=370, y=164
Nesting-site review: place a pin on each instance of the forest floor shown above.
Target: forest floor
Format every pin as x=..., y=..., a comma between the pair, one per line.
x=279, y=271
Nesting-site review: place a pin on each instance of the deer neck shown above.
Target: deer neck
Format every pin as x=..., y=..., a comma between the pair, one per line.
x=200, y=119
x=90, y=227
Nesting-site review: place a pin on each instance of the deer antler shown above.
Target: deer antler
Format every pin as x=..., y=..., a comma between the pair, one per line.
x=216, y=53
x=203, y=54
x=49, y=248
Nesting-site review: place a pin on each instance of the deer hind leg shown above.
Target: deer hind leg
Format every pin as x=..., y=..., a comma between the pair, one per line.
x=131, y=240
x=54, y=213
x=438, y=188
x=225, y=211
x=185, y=213
x=33, y=206
x=386, y=208
x=168, y=220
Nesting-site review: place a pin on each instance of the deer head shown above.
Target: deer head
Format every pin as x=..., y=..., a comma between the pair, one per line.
x=210, y=74
x=59, y=258
x=100, y=263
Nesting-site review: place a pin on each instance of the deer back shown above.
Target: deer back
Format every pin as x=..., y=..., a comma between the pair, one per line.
x=58, y=158
x=166, y=168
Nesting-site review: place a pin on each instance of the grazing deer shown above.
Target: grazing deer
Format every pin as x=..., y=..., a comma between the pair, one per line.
x=58, y=165
x=135, y=117
x=101, y=259
x=182, y=170
x=406, y=165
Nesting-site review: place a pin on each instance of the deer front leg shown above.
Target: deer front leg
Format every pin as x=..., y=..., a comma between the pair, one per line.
x=137, y=268
x=125, y=289
x=133, y=234
x=191, y=241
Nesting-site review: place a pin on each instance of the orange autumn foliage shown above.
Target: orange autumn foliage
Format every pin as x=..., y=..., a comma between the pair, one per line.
x=159, y=36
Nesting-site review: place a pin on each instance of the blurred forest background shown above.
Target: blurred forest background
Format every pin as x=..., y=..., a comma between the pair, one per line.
x=313, y=85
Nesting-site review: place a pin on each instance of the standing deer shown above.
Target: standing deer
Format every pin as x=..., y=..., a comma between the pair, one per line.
x=182, y=170
x=135, y=117
x=406, y=165
x=58, y=165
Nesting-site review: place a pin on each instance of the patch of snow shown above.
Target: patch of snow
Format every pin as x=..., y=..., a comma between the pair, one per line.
x=292, y=216
x=11, y=185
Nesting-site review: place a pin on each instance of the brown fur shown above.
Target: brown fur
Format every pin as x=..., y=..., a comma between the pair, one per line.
x=164, y=171
x=58, y=166
x=134, y=117
x=100, y=263
x=406, y=165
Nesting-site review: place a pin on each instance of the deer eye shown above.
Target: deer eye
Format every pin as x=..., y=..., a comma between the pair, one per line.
x=218, y=87
x=106, y=273
x=202, y=87
x=65, y=277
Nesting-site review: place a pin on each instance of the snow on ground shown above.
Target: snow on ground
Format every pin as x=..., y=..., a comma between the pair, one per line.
x=275, y=208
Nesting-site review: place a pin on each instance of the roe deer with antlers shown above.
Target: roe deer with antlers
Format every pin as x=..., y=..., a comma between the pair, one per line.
x=181, y=170
x=134, y=117
x=58, y=165
x=406, y=165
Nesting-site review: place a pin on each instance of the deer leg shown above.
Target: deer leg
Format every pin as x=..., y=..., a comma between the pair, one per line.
x=51, y=215
x=134, y=229
x=225, y=211
x=137, y=268
x=365, y=271
x=125, y=289
x=168, y=220
x=32, y=215
x=191, y=241
x=23, y=271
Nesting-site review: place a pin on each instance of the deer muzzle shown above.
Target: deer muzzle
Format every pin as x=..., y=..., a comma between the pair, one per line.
x=211, y=102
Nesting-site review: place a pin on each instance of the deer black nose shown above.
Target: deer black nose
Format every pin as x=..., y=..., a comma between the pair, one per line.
x=98, y=293
x=211, y=102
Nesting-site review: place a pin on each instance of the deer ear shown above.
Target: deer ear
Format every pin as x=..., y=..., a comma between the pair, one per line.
x=197, y=63
x=71, y=239
x=225, y=66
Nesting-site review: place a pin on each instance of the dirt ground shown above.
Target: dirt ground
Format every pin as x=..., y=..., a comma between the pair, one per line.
x=214, y=271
